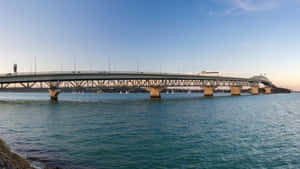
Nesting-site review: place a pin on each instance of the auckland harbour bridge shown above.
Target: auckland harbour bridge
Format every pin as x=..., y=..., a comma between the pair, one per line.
x=152, y=82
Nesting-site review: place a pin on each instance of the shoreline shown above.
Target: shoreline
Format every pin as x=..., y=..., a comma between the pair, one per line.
x=11, y=160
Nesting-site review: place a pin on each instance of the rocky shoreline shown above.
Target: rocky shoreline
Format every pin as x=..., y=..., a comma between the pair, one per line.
x=10, y=160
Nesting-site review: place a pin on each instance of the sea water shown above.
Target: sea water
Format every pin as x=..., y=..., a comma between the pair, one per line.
x=91, y=131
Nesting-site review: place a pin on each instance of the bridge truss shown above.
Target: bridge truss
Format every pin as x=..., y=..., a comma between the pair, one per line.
x=126, y=84
x=153, y=82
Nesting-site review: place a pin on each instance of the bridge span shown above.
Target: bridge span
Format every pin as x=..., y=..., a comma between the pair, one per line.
x=152, y=82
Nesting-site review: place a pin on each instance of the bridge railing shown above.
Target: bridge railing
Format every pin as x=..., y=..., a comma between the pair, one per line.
x=76, y=72
x=114, y=72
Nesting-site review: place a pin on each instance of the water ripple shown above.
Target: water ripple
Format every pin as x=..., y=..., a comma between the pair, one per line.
x=131, y=131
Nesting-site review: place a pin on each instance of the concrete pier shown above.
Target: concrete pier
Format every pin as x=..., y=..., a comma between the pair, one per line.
x=235, y=90
x=54, y=94
x=254, y=90
x=208, y=91
x=99, y=91
x=268, y=90
x=154, y=92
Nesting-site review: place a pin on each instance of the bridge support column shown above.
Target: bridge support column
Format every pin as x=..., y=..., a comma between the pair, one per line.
x=99, y=91
x=254, y=90
x=154, y=92
x=208, y=91
x=54, y=94
x=268, y=90
x=235, y=90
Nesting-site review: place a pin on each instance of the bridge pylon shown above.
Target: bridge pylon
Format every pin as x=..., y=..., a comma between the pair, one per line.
x=54, y=94
x=268, y=90
x=208, y=91
x=99, y=90
x=154, y=92
x=235, y=90
x=254, y=90
x=54, y=90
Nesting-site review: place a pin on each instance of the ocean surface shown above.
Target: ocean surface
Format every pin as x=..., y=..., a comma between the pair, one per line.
x=93, y=131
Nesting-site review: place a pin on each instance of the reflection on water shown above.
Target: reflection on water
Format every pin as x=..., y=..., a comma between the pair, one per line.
x=132, y=131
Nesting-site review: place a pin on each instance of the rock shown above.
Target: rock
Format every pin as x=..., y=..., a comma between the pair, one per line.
x=10, y=160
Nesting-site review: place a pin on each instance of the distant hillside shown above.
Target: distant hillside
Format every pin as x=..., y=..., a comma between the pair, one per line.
x=281, y=90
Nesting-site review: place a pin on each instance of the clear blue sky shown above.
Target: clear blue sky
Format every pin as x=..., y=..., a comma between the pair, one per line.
x=238, y=36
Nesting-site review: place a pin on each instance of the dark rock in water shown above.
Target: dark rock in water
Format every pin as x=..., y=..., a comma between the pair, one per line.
x=10, y=160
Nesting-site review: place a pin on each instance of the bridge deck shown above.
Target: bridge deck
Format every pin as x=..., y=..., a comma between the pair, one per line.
x=153, y=82
x=73, y=76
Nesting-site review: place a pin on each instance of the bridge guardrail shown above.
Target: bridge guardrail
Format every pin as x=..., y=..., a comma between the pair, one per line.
x=107, y=72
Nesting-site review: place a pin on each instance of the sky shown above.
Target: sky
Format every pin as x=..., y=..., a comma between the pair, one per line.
x=239, y=37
